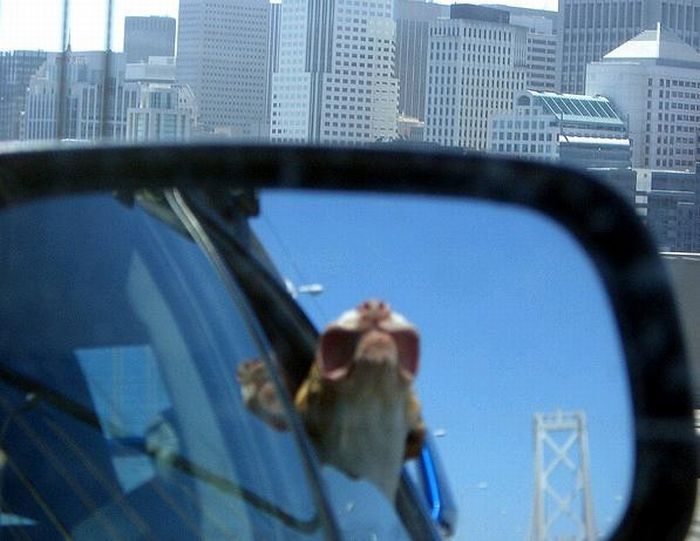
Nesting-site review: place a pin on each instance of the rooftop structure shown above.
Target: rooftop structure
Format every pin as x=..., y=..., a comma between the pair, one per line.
x=148, y=36
x=589, y=30
x=479, y=13
x=582, y=130
x=654, y=81
x=575, y=109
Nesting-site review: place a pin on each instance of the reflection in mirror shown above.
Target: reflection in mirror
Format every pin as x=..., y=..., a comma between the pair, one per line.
x=521, y=379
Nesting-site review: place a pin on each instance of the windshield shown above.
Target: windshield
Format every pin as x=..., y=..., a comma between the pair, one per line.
x=120, y=408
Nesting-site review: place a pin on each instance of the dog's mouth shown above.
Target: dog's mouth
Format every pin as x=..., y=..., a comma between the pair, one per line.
x=342, y=349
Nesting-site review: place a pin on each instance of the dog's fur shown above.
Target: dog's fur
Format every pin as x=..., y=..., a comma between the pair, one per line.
x=357, y=402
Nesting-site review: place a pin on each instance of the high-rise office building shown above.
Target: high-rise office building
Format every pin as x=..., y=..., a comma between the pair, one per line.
x=580, y=130
x=672, y=210
x=148, y=36
x=654, y=81
x=222, y=54
x=159, y=109
x=88, y=111
x=541, y=64
x=335, y=82
x=590, y=29
x=413, y=19
x=16, y=69
x=476, y=62
x=273, y=57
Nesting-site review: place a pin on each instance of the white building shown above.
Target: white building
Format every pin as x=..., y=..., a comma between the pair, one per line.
x=222, y=54
x=590, y=29
x=476, y=63
x=335, y=82
x=159, y=109
x=654, y=81
x=568, y=127
x=542, y=41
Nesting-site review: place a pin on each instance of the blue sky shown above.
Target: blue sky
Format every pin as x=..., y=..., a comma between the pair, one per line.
x=513, y=321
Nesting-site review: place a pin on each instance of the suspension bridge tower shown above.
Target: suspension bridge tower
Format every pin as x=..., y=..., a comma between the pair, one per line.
x=563, y=507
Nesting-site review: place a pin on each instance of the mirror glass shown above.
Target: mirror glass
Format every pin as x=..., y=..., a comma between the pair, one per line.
x=522, y=376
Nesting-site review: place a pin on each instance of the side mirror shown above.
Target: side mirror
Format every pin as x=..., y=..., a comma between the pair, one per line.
x=552, y=367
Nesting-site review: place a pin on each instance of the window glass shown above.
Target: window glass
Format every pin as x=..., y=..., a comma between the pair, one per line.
x=120, y=411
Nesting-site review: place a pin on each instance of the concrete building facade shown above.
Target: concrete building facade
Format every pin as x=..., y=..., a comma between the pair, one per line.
x=590, y=29
x=413, y=20
x=16, y=69
x=159, y=109
x=222, y=54
x=542, y=38
x=148, y=36
x=653, y=80
x=336, y=81
x=672, y=212
x=476, y=63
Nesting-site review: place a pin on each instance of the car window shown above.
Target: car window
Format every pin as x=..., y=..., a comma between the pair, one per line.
x=120, y=413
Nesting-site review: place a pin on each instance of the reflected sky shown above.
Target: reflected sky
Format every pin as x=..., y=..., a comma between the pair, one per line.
x=513, y=321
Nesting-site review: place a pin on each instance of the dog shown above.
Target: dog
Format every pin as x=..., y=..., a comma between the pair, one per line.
x=357, y=403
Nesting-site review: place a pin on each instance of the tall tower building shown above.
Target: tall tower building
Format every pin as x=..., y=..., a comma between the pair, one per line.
x=148, y=36
x=16, y=69
x=222, y=52
x=542, y=40
x=589, y=30
x=335, y=82
x=476, y=63
x=273, y=57
x=413, y=19
x=654, y=81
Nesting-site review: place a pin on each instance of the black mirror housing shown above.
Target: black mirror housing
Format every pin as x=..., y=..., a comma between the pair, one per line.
x=665, y=473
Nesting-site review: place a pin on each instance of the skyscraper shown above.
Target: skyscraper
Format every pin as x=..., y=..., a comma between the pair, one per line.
x=413, y=18
x=222, y=52
x=542, y=39
x=148, y=36
x=476, y=62
x=273, y=56
x=588, y=30
x=158, y=109
x=16, y=68
x=336, y=81
x=654, y=80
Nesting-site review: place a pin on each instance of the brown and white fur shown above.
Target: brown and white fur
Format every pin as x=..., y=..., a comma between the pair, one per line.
x=357, y=402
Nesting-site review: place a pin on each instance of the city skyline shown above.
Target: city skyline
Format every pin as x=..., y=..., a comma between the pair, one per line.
x=475, y=71
x=19, y=28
